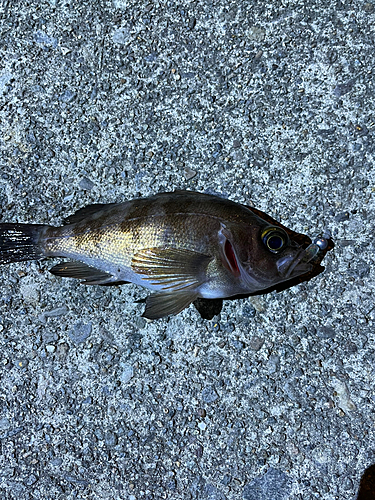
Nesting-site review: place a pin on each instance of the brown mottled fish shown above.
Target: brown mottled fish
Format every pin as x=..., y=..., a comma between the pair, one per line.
x=182, y=246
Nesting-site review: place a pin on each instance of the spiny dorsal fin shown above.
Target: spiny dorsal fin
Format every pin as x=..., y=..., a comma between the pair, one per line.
x=85, y=212
x=171, y=268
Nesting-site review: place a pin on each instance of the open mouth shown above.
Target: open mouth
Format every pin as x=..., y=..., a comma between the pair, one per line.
x=303, y=262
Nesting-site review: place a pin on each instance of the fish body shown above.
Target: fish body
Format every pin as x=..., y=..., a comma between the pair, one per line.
x=180, y=245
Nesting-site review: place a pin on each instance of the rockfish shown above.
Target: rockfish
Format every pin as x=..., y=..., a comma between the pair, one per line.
x=181, y=245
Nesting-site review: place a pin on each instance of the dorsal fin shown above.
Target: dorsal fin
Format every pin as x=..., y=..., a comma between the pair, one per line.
x=85, y=212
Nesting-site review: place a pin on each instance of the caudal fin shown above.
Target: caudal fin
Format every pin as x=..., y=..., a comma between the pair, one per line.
x=20, y=242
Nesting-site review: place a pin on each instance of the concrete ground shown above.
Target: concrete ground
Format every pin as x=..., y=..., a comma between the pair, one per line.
x=269, y=103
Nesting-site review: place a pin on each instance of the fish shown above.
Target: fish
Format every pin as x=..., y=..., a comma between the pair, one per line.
x=184, y=246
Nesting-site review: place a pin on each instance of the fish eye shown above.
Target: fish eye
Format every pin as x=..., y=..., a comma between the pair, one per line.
x=274, y=238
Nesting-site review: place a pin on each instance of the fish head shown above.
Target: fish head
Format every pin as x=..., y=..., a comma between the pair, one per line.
x=262, y=255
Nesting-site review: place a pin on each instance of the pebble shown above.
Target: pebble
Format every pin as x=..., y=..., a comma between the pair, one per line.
x=209, y=395
x=290, y=390
x=256, y=343
x=343, y=216
x=212, y=493
x=199, y=451
x=351, y=347
x=5, y=77
x=99, y=434
x=80, y=332
x=343, y=88
x=237, y=344
x=201, y=412
x=273, y=363
x=21, y=363
x=4, y=424
x=347, y=484
x=75, y=480
x=192, y=23
x=248, y=311
x=50, y=348
x=121, y=36
x=362, y=269
x=189, y=173
x=127, y=373
x=32, y=479
x=53, y=313
x=274, y=484
x=343, y=397
x=257, y=303
x=62, y=349
x=42, y=38
x=56, y=462
x=326, y=332
x=29, y=292
x=67, y=96
x=110, y=439
x=256, y=34
x=322, y=454
x=86, y=184
x=226, y=479
x=229, y=327
x=215, y=327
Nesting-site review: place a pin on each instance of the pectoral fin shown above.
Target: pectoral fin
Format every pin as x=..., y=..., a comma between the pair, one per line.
x=172, y=269
x=159, y=305
x=90, y=275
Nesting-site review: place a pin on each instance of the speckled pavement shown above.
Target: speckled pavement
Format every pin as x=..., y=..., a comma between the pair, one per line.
x=266, y=103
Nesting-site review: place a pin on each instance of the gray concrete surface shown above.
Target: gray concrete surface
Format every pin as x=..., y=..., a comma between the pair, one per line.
x=270, y=103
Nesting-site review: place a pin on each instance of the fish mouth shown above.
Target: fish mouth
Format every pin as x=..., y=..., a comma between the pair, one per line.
x=291, y=266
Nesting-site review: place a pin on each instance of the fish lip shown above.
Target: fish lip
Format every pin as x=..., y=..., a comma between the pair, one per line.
x=294, y=265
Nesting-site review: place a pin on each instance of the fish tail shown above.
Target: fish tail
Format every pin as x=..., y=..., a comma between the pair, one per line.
x=19, y=242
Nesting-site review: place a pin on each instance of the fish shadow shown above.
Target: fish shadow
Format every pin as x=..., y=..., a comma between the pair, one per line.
x=367, y=484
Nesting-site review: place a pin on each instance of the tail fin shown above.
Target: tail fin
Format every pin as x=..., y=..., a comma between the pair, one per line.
x=20, y=242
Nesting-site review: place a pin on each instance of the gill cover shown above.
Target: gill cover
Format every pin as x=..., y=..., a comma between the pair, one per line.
x=229, y=257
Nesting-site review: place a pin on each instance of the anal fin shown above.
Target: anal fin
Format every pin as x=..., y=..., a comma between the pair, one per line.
x=159, y=305
x=89, y=275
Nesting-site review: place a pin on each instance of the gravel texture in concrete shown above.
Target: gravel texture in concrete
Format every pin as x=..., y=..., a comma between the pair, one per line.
x=266, y=103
